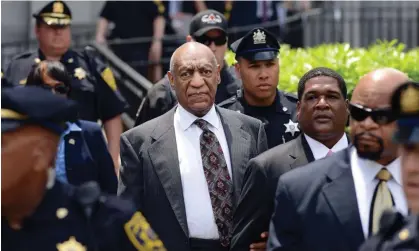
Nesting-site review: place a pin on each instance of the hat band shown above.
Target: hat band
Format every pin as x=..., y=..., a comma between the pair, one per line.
x=257, y=50
x=10, y=114
x=57, y=15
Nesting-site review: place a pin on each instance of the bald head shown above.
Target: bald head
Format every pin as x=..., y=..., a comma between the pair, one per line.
x=377, y=86
x=191, y=50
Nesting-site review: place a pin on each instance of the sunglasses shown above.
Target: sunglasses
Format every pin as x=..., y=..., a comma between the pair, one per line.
x=220, y=40
x=59, y=88
x=380, y=116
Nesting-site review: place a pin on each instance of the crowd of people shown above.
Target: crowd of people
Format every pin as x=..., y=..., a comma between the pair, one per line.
x=219, y=158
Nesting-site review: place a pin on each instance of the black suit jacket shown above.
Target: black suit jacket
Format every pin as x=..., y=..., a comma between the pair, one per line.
x=87, y=157
x=150, y=172
x=255, y=206
x=316, y=208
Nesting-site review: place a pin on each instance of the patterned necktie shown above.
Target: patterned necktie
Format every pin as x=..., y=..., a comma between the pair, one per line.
x=382, y=199
x=220, y=185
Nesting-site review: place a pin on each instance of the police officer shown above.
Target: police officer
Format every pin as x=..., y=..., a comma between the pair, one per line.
x=93, y=84
x=398, y=232
x=207, y=27
x=38, y=211
x=258, y=67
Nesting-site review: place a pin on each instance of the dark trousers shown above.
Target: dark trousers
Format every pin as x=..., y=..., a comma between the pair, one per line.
x=206, y=245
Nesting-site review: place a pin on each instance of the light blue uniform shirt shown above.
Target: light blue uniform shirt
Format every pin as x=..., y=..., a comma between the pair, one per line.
x=60, y=171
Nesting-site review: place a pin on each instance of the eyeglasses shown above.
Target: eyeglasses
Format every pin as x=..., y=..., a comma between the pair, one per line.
x=380, y=116
x=58, y=88
x=220, y=40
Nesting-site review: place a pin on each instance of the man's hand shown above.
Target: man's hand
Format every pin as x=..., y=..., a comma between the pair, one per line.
x=260, y=246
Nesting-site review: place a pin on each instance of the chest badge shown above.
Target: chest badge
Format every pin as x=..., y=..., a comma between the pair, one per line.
x=71, y=245
x=79, y=73
x=291, y=127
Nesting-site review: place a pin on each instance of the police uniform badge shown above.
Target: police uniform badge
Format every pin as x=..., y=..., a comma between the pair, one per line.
x=141, y=235
x=71, y=245
x=58, y=7
x=259, y=37
x=409, y=101
x=79, y=73
x=291, y=127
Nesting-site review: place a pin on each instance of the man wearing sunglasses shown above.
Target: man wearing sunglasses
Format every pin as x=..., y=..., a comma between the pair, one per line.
x=207, y=27
x=258, y=68
x=335, y=203
x=94, y=86
x=82, y=153
x=397, y=232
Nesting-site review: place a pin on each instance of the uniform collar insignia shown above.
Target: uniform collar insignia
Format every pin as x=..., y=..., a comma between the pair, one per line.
x=71, y=245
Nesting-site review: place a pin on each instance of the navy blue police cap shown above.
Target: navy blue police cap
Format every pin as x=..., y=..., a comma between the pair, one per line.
x=405, y=103
x=257, y=44
x=56, y=13
x=37, y=106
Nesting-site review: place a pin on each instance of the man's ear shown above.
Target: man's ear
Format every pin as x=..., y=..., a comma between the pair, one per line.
x=298, y=110
x=238, y=70
x=171, y=79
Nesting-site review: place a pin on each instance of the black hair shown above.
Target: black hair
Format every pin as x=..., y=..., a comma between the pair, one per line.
x=53, y=69
x=321, y=71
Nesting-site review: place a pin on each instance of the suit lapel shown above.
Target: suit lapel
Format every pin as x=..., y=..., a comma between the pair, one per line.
x=302, y=154
x=341, y=196
x=163, y=154
x=239, y=143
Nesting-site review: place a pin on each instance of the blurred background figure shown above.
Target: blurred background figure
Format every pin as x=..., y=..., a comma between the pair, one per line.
x=135, y=19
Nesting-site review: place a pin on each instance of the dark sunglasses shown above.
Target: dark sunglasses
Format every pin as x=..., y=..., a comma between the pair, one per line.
x=59, y=88
x=380, y=116
x=220, y=40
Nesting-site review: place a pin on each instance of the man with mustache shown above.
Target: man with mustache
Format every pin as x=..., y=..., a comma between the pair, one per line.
x=335, y=203
x=397, y=232
x=258, y=68
x=322, y=113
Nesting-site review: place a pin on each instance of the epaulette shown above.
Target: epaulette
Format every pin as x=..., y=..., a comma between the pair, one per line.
x=228, y=101
x=24, y=55
x=291, y=97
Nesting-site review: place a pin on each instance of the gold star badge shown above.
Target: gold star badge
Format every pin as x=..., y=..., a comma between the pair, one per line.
x=79, y=73
x=71, y=245
x=292, y=127
x=409, y=100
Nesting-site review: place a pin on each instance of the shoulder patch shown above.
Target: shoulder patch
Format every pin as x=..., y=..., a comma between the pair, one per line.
x=107, y=75
x=141, y=235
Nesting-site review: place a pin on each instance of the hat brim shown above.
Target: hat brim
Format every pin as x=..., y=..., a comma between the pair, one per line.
x=407, y=135
x=204, y=30
x=10, y=125
x=260, y=56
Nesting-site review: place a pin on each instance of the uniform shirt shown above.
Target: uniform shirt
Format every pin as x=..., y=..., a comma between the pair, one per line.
x=198, y=207
x=364, y=172
x=279, y=118
x=93, y=85
x=60, y=167
x=320, y=151
x=60, y=223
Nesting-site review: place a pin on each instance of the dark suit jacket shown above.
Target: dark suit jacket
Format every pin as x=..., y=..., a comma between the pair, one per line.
x=150, y=172
x=87, y=158
x=259, y=185
x=316, y=208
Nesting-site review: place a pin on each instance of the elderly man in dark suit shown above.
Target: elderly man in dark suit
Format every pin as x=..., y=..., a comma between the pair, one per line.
x=335, y=203
x=184, y=169
x=322, y=113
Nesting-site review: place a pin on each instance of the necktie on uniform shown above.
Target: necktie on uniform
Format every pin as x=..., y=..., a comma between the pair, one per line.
x=382, y=200
x=220, y=185
x=330, y=152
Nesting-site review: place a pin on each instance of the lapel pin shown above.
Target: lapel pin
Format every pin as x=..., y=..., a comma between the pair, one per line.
x=72, y=141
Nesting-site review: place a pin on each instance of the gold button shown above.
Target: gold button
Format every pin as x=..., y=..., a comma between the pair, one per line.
x=62, y=213
x=72, y=141
x=404, y=234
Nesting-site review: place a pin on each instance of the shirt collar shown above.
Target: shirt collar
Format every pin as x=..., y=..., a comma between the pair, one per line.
x=320, y=151
x=370, y=169
x=72, y=127
x=187, y=118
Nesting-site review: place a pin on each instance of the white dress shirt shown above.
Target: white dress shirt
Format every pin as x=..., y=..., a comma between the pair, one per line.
x=364, y=172
x=199, y=213
x=320, y=151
